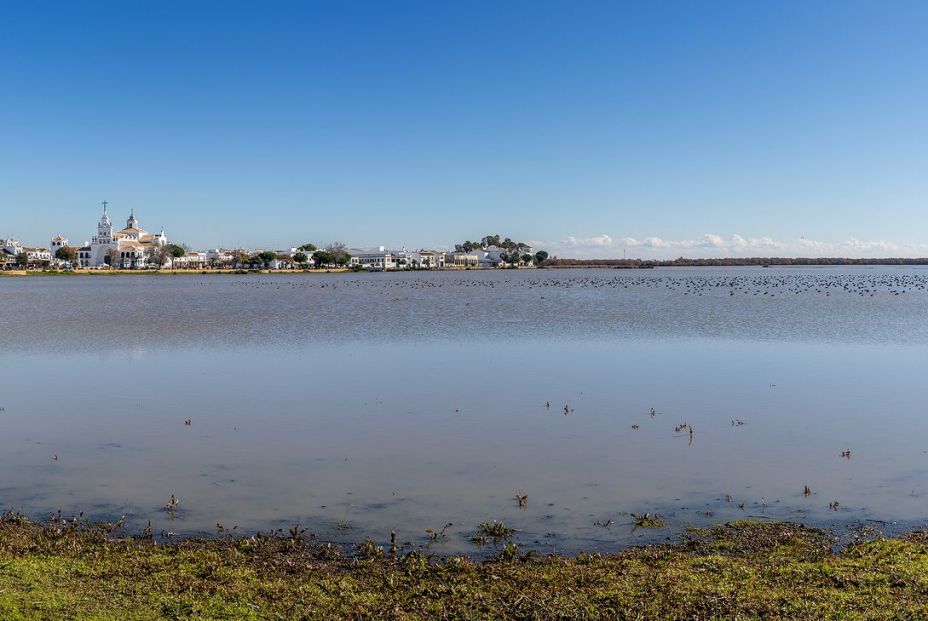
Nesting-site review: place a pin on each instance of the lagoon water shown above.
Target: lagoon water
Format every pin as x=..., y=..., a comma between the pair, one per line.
x=357, y=404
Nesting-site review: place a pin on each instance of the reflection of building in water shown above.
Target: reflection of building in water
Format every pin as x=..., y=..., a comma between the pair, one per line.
x=129, y=248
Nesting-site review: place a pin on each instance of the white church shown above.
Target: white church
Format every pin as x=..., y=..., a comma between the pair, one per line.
x=129, y=248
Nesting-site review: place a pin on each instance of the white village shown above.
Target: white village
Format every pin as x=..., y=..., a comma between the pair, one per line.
x=135, y=248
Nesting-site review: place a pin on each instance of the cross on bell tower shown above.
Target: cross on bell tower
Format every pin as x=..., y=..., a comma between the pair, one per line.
x=104, y=227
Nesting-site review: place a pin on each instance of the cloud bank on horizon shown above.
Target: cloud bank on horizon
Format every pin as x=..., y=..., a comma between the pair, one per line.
x=711, y=245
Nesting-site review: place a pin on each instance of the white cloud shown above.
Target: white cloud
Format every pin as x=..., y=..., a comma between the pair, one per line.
x=712, y=245
x=600, y=241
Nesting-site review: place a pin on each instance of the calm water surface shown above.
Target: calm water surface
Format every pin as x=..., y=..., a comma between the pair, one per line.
x=361, y=404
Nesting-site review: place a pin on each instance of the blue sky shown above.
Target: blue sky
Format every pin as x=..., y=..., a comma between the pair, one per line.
x=594, y=128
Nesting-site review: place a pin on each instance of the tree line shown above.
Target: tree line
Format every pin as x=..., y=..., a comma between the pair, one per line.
x=335, y=254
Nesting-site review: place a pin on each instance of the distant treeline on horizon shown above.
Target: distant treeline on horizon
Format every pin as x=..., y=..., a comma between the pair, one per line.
x=731, y=262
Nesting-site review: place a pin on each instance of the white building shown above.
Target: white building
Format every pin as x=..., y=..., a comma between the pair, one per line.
x=11, y=249
x=56, y=243
x=382, y=260
x=191, y=260
x=38, y=255
x=128, y=248
x=220, y=257
x=492, y=256
x=462, y=259
x=428, y=260
x=385, y=260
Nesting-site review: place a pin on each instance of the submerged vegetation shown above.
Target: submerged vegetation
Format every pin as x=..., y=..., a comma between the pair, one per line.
x=646, y=520
x=492, y=531
x=746, y=570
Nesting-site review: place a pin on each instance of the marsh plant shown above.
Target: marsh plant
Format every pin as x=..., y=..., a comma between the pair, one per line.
x=495, y=531
x=646, y=520
x=510, y=551
x=435, y=535
x=171, y=507
x=368, y=549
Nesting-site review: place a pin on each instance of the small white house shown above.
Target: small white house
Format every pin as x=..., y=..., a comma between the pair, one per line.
x=191, y=260
x=428, y=259
x=220, y=257
x=462, y=259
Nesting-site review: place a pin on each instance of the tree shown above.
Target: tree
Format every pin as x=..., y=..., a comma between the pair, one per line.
x=322, y=258
x=111, y=258
x=540, y=257
x=512, y=258
x=22, y=259
x=240, y=258
x=308, y=248
x=526, y=258
x=176, y=250
x=159, y=255
x=66, y=254
x=338, y=253
x=300, y=258
x=266, y=257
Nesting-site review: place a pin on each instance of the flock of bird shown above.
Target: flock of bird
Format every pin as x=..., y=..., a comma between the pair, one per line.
x=772, y=285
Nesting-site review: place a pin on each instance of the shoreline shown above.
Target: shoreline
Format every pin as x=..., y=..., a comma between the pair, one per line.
x=76, y=273
x=217, y=271
x=85, y=272
x=555, y=267
x=745, y=569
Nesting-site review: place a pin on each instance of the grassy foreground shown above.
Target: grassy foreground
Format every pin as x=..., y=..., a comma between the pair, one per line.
x=743, y=570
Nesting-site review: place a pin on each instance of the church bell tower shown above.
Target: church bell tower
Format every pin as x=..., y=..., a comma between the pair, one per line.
x=104, y=228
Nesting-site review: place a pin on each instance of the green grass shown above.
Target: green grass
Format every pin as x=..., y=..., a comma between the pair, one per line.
x=742, y=570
